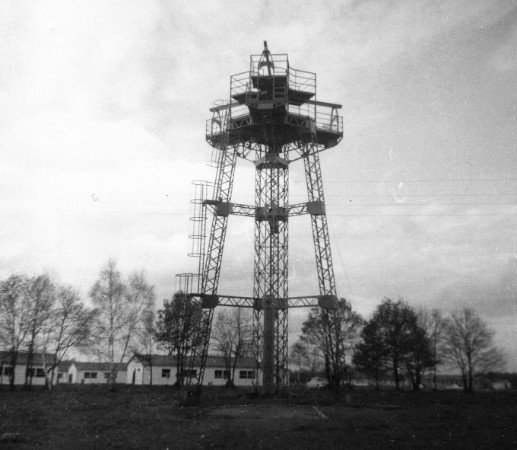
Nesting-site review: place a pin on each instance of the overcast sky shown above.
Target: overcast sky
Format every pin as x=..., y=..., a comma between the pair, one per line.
x=102, y=121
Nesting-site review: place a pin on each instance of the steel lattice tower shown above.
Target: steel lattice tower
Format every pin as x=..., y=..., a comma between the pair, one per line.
x=272, y=120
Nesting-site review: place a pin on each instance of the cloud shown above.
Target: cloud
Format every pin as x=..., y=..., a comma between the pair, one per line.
x=493, y=293
x=76, y=192
x=102, y=114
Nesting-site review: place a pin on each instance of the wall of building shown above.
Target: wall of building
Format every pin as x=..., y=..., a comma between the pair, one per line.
x=72, y=374
x=166, y=375
x=162, y=375
x=63, y=377
x=216, y=376
x=135, y=372
x=92, y=376
x=37, y=380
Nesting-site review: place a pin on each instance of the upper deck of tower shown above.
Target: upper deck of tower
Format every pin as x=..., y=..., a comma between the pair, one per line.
x=274, y=105
x=271, y=80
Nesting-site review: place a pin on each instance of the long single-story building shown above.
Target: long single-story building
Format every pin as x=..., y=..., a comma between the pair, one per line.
x=161, y=370
x=36, y=372
x=95, y=372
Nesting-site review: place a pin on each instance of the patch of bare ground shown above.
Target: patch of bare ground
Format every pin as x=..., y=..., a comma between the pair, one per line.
x=91, y=417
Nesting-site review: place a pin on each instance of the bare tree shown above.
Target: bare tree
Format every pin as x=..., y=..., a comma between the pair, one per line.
x=121, y=309
x=140, y=301
x=41, y=297
x=469, y=344
x=299, y=355
x=232, y=335
x=333, y=334
x=68, y=326
x=433, y=322
x=146, y=341
x=14, y=317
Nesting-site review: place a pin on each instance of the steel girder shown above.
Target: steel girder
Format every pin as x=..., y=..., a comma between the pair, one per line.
x=238, y=209
x=236, y=301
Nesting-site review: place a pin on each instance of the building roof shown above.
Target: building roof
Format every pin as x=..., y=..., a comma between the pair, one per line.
x=23, y=357
x=100, y=366
x=171, y=361
x=64, y=366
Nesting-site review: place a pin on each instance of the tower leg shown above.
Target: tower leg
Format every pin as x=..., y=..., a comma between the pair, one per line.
x=210, y=274
x=222, y=193
x=270, y=286
x=258, y=333
x=320, y=234
x=268, y=358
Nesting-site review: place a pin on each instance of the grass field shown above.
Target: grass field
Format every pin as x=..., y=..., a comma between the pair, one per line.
x=91, y=417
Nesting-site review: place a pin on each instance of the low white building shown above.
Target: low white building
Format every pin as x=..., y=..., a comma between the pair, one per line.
x=36, y=372
x=161, y=370
x=95, y=373
x=63, y=372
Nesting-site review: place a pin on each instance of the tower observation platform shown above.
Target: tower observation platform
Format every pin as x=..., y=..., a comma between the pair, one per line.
x=272, y=119
x=274, y=105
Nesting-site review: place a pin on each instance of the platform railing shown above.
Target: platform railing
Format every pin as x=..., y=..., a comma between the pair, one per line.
x=301, y=80
x=216, y=126
x=329, y=120
x=237, y=112
x=279, y=65
x=239, y=83
x=325, y=118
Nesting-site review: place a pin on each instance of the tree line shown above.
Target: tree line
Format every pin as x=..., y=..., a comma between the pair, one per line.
x=398, y=343
x=44, y=318
x=40, y=316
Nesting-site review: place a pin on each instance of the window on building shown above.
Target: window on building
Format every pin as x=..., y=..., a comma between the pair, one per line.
x=60, y=375
x=222, y=374
x=166, y=373
x=8, y=371
x=107, y=375
x=90, y=374
x=35, y=372
x=190, y=373
x=246, y=374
